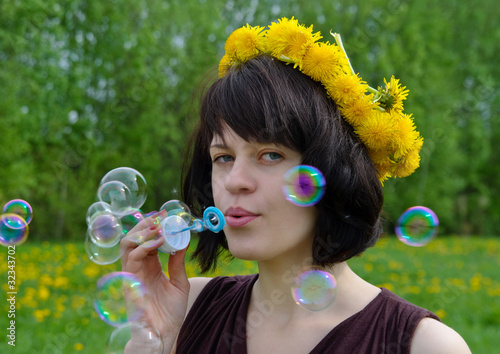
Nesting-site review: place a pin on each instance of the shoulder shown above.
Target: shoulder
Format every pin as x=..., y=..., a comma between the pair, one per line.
x=432, y=336
x=196, y=286
x=222, y=286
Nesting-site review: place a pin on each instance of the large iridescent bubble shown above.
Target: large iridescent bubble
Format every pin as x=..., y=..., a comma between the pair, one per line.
x=314, y=289
x=133, y=181
x=417, y=226
x=304, y=185
x=19, y=207
x=13, y=229
x=105, y=230
x=101, y=255
x=120, y=298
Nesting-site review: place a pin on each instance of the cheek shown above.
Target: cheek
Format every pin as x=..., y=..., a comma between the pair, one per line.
x=217, y=188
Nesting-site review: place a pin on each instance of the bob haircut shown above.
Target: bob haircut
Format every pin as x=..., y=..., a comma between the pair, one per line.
x=266, y=101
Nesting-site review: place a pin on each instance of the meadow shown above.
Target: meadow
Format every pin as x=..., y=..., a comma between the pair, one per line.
x=455, y=277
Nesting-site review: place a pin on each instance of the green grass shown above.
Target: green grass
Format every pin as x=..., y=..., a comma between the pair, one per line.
x=457, y=278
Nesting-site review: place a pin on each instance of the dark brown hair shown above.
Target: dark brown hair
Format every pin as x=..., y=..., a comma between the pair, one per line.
x=267, y=101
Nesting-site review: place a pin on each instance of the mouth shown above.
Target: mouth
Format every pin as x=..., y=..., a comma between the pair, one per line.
x=239, y=217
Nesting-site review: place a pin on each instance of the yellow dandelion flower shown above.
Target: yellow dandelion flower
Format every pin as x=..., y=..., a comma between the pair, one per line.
x=377, y=131
x=380, y=157
x=408, y=164
x=230, y=45
x=224, y=65
x=39, y=315
x=393, y=95
x=60, y=282
x=356, y=111
x=43, y=293
x=346, y=87
x=322, y=60
x=406, y=135
x=78, y=347
x=287, y=38
x=247, y=42
x=440, y=313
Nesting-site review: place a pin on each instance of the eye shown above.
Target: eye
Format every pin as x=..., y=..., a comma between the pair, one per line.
x=271, y=156
x=223, y=159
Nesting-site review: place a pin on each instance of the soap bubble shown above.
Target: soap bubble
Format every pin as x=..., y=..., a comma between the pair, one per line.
x=101, y=255
x=137, y=337
x=96, y=209
x=314, y=289
x=304, y=185
x=116, y=194
x=120, y=298
x=13, y=229
x=174, y=207
x=105, y=230
x=417, y=226
x=131, y=218
x=19, y=207
x=133, y=180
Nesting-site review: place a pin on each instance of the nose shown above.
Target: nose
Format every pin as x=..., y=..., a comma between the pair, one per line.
x=240, y=179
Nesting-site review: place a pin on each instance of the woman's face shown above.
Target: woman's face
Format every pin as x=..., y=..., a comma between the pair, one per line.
x=247, y=180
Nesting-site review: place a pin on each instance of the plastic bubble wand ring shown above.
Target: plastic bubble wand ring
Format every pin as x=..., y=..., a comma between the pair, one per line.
x=177, y=232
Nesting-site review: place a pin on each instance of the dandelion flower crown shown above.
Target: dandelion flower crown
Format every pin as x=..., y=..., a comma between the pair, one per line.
x=376, y=115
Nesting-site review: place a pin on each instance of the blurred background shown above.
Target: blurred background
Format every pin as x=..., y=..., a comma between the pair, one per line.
x=88, y=86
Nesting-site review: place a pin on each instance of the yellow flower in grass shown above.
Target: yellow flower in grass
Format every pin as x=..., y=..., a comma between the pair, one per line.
x=43, y=293
x=322, y=60
x=287, y=38
x=406, y=136
x=78, y=347
x=356, y=112
x=377, y=131
x=345, y=87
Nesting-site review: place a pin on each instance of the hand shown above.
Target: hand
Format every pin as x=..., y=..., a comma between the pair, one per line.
x=167, y=296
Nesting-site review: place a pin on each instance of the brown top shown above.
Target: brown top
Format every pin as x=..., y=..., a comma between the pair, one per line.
x=217, y=320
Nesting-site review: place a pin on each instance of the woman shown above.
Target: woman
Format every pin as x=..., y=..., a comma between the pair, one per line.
x=285, y=99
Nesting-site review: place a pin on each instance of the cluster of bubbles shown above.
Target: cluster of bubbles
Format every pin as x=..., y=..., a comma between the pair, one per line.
x=120, y=195
x=304, y=185
x=121, y=297
x=14, y=220
x=417, y=226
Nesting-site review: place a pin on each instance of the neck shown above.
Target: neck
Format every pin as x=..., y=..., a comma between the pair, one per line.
x=275, y=280
x=272, y=291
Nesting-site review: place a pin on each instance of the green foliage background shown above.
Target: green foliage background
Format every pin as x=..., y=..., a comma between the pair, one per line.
x=88, y=86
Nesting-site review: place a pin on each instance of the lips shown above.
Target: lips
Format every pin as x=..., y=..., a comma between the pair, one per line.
x=239, y=217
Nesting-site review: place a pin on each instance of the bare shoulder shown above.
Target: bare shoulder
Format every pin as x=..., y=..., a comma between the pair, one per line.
x=432, y=336
x=196, y=286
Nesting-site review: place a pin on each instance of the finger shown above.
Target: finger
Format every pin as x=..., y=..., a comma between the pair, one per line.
x=134, y=239
x=145, y=240
x=138, y=257
x=149, y=222
x=177, y=270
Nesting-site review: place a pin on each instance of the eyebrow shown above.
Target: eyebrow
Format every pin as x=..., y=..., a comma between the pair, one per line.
x=219, y=146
